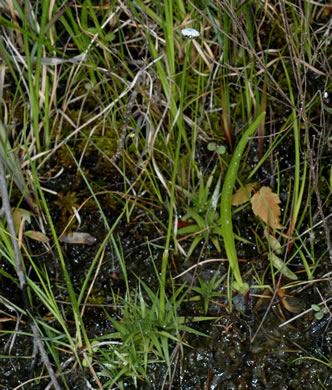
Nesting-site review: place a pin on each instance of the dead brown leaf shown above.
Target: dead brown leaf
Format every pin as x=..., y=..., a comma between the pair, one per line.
x=241, y=195
x=78, y=238
x=265, y=204
x=38, y=236
x=21, y=216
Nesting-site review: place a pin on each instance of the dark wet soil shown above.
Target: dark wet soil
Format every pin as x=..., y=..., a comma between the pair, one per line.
x=228, y=359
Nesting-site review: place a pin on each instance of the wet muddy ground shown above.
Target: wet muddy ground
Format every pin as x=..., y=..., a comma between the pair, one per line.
x=241, y=352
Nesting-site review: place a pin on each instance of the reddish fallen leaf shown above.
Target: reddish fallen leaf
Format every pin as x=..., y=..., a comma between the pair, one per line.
x=115, y=276
x=182, y=224
x=265, y=204
x=243, y=195
x=292, y=304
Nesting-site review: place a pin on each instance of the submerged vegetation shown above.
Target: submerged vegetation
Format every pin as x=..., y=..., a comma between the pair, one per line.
x=166, y=194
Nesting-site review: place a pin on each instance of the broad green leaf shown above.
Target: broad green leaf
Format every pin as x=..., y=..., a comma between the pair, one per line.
x=273, y=242
x=282, y=267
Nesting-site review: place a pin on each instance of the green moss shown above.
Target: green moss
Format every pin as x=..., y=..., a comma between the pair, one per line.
x=66, y=202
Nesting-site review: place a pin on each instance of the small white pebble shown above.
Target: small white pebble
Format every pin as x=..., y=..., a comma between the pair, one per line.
x=190, y=33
